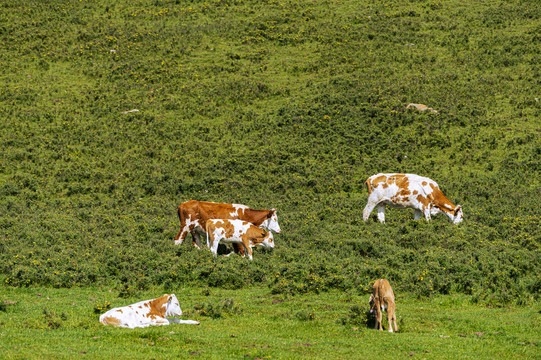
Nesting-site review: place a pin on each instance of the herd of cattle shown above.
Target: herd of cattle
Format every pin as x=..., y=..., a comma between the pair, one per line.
x=245, y=228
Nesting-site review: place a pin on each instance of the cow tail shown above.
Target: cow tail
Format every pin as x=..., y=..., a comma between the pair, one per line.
x=368, y=186
x=178, y=213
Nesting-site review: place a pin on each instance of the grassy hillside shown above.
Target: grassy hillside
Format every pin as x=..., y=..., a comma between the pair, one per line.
x=289, y=105
x=253, y=324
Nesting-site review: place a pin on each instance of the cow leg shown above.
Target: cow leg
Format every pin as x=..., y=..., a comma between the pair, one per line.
x=178, y=321
x=212, y=243
x=390, y=314
x=210, y=240
x=368, y=209
x=248, y=250
x=427, y=213
x=160, y=322
x=418, y=214
x=182, y=234
x=381, y=213
x=196, y=239
x=214, y=248
x=379, y=318
x=238, y=249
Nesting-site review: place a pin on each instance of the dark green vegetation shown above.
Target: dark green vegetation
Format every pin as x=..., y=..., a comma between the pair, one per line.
x=289, y=105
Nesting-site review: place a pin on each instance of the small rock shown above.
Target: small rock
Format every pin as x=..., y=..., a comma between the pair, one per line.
x=421, y=107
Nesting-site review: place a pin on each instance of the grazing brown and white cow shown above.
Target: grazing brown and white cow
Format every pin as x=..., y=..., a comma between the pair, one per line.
x=382, y=299
x=408, y=191
x=146, y=313
x=194, y=215
x=237, y=232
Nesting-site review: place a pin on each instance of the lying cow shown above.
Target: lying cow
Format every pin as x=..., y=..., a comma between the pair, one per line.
x=236, y=231
x=194, y=215
x=146, y=313
x=408, y=191
x=383, y=298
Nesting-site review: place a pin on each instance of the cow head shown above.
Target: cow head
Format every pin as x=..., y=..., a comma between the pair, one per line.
x=172, y=307
x=458, y=216
x=272, y=222
x=372, y=302
x=268, y=241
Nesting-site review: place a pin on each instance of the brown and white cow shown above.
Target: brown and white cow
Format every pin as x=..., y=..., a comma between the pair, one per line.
x=194, y=215
x=146, y=313
x=236, y=232
x=382, y=299
x=408, y=191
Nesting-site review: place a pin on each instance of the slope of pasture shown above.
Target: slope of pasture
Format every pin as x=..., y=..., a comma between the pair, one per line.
x=287, y=104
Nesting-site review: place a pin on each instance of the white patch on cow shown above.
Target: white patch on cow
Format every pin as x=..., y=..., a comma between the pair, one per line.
x=271, y=223
x=237, y=207
x=172, y=307
x=268, y=242
x=197, y=228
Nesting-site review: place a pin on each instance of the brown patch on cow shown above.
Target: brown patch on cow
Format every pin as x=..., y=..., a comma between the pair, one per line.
x=424, y=183
x=415, y=192
x=423, y=200
x=157, y=308
x=120, y=311
x=111, y=320
x=256, y=217
x=441, y=201
x=368, y=186
x=255, y=235
x=228, y=227
x=401, y=181
x=403, y=192
x=400, y=199
x=378, y=180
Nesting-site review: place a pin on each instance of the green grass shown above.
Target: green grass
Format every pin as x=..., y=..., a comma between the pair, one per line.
x=61, y=323
x=288, y=105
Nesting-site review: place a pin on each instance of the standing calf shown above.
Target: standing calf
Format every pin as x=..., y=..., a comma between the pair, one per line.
x=383, y=297
x=236, y=231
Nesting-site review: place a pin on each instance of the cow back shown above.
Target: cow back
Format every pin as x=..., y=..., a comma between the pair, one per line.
x=202, y=211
